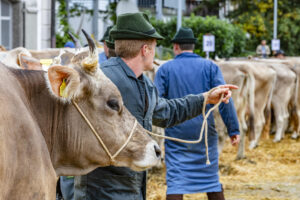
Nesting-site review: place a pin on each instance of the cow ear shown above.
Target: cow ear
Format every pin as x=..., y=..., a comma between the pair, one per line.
x=30, y=63
x=64, y=81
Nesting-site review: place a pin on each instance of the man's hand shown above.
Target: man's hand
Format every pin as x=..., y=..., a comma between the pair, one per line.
x=235, y=140
x=215, y=96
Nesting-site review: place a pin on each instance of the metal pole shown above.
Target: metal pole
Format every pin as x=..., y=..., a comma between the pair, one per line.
x=95, y=19
x=67, y=9
x=179, y=14
x=52, y=31
x=159, y=14
x=207, y=55
x=275, y=20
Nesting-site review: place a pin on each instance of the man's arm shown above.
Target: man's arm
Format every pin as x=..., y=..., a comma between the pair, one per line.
x=171, y=112
x=168, y=113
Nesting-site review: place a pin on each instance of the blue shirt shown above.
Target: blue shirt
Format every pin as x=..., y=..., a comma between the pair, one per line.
x=102, y=57
x=187, y=171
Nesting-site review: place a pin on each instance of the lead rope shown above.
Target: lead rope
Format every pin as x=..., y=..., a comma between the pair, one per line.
x=112, y=157
x=204, y=124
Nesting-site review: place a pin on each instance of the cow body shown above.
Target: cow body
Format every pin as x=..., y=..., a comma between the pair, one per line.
x=243, y=101
x=25, y=158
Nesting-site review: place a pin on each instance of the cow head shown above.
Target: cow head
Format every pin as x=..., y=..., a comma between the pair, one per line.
x=101, y=101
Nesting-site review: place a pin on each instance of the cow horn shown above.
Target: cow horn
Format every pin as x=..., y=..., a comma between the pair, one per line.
x=90, y=63
x=92, y=45
x=75, y=40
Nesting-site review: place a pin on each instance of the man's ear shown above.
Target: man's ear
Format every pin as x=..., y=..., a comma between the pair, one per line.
x=64, y=81
x=144, y=50
x=29, y=63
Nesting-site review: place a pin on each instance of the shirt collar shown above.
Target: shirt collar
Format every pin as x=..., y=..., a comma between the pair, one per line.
x=126, y=69
x=186, y=54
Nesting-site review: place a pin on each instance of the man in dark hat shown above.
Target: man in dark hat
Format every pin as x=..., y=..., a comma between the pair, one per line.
x=135, y=41
x=187, y=170
x=279, y=54
x=104, y=55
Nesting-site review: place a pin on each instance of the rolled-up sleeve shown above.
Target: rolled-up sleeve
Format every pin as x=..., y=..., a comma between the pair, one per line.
x=171, y=112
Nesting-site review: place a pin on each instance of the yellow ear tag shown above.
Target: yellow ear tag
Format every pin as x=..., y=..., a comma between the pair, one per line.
x=62, y=88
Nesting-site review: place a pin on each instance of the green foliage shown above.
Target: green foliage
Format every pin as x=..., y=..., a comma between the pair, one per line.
x=256, y=18
x=64, y=27
x=230, y=40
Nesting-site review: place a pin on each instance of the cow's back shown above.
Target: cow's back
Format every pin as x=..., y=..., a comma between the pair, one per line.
x=25, y=161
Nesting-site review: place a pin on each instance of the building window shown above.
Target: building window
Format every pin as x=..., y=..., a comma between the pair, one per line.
x=5, y=24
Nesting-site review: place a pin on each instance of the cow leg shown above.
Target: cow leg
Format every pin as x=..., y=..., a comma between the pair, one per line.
x=222, y=139
x=279, y=123
x=258, y=130
x=241, y=149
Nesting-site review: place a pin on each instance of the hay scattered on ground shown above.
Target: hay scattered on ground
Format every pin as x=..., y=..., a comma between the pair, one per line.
x=270, y=172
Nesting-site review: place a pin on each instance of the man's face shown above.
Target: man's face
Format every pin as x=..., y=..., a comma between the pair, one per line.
x=105, y=49
x=263, y=42
x=149, y=56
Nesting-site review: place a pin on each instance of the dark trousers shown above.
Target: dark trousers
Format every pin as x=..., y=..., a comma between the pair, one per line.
x=210, y=196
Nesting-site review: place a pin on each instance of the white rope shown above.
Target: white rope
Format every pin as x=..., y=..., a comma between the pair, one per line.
x=204, y=125
x=112, y=157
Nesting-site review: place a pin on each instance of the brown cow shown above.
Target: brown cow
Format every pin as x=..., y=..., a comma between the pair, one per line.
x=243, y=101
x=265, y=79
x=282, y=95
x=43, y=136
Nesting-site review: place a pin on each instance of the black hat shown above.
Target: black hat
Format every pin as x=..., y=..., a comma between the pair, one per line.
x=134, y=26
x=184, y=36
x=279, y=52
x=106, y=34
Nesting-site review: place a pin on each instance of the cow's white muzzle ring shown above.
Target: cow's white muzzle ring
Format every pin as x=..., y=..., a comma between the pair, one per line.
x=111, y=157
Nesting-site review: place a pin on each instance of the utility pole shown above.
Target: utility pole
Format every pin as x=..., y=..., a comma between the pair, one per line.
x=275, y=20
x=159, y=14
x=179, y=14
x=95, y=19
x=52, y=31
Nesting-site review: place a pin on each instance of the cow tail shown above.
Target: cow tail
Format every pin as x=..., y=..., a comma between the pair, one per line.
x=251, y=100
x=267, y=111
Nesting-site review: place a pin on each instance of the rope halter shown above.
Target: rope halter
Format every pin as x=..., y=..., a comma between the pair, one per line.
x=111, y=157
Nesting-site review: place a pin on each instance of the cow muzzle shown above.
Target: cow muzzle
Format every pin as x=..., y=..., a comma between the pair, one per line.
x=152, y=156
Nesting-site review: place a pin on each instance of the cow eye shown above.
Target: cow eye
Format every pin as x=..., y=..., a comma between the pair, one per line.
x=113, y=104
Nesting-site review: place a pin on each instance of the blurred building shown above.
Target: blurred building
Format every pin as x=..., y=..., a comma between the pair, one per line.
x=29, y=23
x=25, y=23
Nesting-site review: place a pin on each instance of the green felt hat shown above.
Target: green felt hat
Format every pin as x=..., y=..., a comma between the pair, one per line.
x=184, y=36
x=110, y=43
x=106, y=34
x=134, y=26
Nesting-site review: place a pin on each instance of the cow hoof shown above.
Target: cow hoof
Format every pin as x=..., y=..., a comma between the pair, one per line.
x=240, y=157
x=252, y=145
x=294, y=136
x=276, y=140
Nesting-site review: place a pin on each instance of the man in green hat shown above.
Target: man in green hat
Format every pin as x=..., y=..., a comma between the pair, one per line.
x=104, y=55
x=186, y=168
x=135, y=41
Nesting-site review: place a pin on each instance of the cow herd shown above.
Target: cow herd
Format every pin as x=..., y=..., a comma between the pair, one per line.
x=267, y=101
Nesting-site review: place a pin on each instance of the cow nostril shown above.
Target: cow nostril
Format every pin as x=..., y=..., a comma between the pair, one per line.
x=157, y=151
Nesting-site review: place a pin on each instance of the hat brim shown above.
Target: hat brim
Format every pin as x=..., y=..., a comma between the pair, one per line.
x=127, y=35
x=110, y=44
x=185, y=41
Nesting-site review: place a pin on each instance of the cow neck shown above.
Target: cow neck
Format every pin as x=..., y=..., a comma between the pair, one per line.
x=59, y=122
